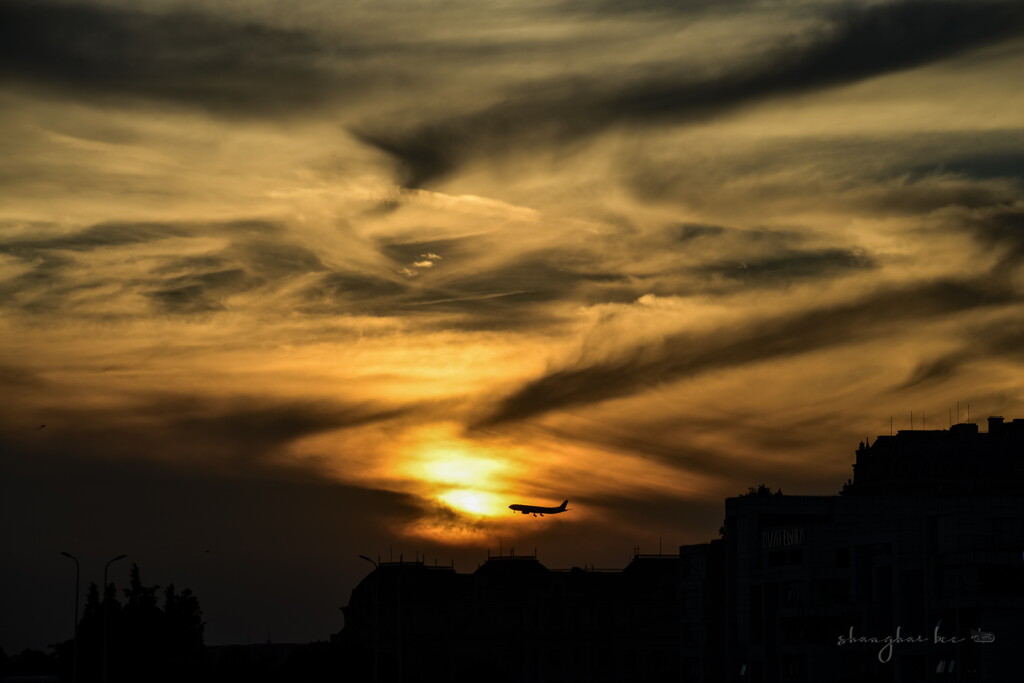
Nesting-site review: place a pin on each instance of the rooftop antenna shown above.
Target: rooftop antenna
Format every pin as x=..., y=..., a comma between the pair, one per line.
x=958, y=412
x=911, y=420
x=950, y=418
x=890, y=425
x=968, y=412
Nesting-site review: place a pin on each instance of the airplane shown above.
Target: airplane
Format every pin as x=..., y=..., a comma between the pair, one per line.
x=537, y=510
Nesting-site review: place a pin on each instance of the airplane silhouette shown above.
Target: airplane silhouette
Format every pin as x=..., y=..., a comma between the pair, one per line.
x=537, y=510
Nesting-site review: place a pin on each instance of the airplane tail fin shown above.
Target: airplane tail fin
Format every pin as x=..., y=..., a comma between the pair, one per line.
x=564, y=503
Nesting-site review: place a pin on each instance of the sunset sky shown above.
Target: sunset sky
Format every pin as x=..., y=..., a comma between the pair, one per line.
x=288, y=283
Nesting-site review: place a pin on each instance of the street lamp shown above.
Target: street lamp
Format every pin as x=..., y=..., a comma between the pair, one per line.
x=105, y=610
x=376, y=619
x=74, y=660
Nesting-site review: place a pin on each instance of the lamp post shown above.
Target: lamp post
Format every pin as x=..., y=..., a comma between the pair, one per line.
x=376, y=619
x=105, y=610
x=74, y=659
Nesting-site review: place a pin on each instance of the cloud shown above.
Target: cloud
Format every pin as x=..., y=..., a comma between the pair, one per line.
x=1003, y=339
x=672, y=7
x=179, y=57
x=96, y=237
x=14, y=376
x=215, y=433
x=860, y=43
x=61, y=266
x=792, y=265
x=1002, y=229
x=684, y=354
x=201, y=292
x=870, y=173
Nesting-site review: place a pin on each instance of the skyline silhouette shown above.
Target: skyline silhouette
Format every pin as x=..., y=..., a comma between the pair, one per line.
x=928, y=531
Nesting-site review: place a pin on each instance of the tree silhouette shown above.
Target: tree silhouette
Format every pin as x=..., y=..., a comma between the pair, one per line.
x=145, y=641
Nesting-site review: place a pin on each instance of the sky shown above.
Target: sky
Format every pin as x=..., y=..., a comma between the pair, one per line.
x=285, y=284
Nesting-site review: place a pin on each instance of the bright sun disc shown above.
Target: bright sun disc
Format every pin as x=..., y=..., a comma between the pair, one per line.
x=473, y=502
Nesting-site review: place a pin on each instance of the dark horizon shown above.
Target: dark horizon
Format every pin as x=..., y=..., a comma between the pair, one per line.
x=872, y=479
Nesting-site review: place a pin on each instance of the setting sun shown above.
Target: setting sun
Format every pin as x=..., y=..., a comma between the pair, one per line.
x=471, y=479
x=474, y=502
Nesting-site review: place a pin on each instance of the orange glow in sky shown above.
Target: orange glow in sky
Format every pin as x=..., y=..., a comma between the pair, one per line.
x=471, y=480
x=640, y=255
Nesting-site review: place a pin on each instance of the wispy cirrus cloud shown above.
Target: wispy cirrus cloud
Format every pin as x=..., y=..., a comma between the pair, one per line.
x=855, y=44
x=684, y=354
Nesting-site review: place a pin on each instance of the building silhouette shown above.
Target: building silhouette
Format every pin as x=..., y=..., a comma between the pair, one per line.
x=913, y=572
x=517, y=620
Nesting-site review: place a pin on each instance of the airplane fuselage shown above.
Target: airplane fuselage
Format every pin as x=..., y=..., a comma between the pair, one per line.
x=537, y=509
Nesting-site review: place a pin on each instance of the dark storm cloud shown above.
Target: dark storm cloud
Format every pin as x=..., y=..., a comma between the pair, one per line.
x=1003, y=232
x=858, y=44
x=1004, y=228
x=216, y=433
x=938, y=369
x=669, y=441
x=790, y=266
x=685, y=354
x=250, y=428
x=649, y=444
x=185, y=58
x=1003, y=340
